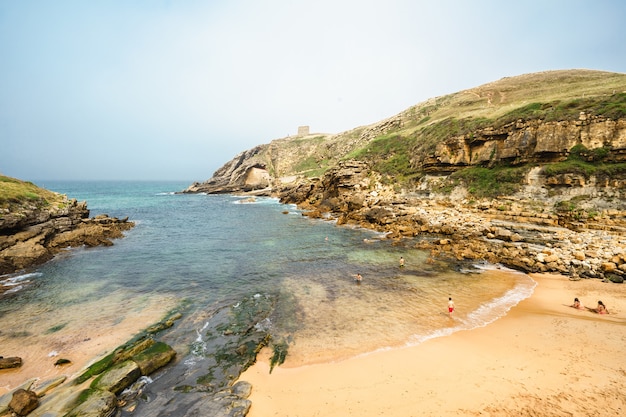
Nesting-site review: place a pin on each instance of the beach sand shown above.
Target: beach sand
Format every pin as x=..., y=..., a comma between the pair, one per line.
x=543, y=358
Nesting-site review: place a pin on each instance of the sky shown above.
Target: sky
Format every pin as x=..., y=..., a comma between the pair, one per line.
x=173, y=90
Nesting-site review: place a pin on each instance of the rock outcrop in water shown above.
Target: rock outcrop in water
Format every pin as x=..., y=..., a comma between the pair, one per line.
x=38, y=224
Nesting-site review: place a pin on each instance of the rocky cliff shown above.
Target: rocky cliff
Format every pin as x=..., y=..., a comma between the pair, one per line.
x=529, y=119
x=529, y=171
x=532, y=141
x=36, y=224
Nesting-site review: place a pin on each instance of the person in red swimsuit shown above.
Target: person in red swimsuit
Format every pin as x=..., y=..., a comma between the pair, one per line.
x=450, y=306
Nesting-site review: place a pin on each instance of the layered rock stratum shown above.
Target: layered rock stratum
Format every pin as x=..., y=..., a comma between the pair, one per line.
x=37, y=224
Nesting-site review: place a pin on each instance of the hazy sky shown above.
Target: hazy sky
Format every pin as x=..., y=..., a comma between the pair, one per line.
x=174, y=89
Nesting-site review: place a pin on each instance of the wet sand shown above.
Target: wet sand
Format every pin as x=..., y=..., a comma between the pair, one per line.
x=543, y=358
x=98, y=328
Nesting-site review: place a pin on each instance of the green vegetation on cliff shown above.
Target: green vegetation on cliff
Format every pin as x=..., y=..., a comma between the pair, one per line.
x=612, y=107
x=390, y=154
x=548, y=96
x=15, y=193
x=484, y=182
x=587, y=163
x=486, y=138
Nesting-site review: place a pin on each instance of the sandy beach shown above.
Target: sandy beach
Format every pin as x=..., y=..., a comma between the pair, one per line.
x=543, y=358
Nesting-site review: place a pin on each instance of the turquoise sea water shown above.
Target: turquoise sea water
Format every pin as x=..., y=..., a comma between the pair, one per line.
x=206, y=249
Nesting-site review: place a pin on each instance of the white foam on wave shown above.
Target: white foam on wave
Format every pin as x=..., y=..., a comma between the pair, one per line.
x=499, y=307
x=487, y=313
x=16, y=279
x=14, y=289
x=256, y=200
x=199, y=332
x=198, y=347
x=16, y=283
x=264, y=325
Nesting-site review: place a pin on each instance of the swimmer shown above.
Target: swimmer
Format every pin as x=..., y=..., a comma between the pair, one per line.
x=401, y=262
x=358, y=278
x=450, y=306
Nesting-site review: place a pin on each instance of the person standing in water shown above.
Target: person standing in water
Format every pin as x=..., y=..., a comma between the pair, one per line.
x=450, y=306
x=358, y=278
x=401, y=262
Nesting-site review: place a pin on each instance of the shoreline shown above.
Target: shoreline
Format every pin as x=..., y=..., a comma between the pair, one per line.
x=543, y=357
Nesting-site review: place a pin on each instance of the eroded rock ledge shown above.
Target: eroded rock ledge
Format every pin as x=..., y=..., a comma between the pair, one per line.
x=525, y=231
x=33, y=236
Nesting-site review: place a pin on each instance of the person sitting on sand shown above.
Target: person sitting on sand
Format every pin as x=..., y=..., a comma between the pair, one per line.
x=600, y=309
x=577, y=304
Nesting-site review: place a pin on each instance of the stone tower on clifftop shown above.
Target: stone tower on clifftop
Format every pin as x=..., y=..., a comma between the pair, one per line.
x=303, y=130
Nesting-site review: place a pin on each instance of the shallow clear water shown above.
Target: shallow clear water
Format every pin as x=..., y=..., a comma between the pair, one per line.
x=205, y=249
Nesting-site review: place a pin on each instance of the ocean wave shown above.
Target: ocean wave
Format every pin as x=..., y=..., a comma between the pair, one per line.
x=488, y=312
x=256, y=200
x=499, y=307
x=14, y=289
x=15, y=283
x=15, y=278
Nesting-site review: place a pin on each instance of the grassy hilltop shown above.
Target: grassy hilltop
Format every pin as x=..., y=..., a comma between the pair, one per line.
x=15, y=193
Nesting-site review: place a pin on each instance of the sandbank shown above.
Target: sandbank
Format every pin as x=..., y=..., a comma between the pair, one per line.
x=543, y=358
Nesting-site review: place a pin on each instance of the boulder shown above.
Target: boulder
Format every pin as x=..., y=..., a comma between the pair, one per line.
x=98, y=404
x=118, y=377
x=128, y=351
x=5, y=399
x=242, y=389
x=13, y=362
x=155, y=357
x=609, y=267
x=23, y=402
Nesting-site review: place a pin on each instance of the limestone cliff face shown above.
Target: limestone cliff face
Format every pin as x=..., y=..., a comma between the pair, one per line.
x=246, y=172
x=529, y=142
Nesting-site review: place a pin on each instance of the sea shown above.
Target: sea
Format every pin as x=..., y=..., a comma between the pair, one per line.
x=198, y=250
